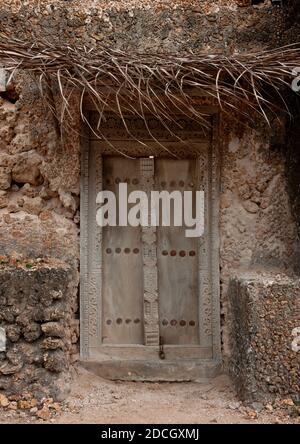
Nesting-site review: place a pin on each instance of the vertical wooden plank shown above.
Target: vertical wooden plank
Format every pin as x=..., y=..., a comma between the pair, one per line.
x=177, y=262
x=151, y=314
x=122, y=292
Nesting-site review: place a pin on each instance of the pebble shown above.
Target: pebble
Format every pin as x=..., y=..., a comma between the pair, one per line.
x=234, y=405
x=257, y=406
x=13, y=405
x=44, y=413
x=4, y=402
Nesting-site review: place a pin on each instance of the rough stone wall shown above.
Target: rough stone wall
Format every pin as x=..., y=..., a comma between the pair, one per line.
x=39, y=177
x=257, y=228
x=291, y=144
x=265, y=350
x=39, y=218
x=292, y=21
x=37, y=305
x=152, y=25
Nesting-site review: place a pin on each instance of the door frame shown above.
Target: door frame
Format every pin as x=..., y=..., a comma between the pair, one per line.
x=91, y=251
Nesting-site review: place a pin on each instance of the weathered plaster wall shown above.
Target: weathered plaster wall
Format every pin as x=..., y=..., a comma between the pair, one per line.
x=39, y=178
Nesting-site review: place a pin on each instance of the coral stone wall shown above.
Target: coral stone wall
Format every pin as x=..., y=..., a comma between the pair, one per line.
x=152, y=25
x=37, y=305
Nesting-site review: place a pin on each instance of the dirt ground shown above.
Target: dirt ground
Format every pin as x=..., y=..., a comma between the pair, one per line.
x=95, y=400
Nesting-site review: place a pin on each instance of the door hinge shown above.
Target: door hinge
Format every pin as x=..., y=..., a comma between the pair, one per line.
x=161, y=348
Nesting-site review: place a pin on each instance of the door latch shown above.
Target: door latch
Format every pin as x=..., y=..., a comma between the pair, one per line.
x=161, y=348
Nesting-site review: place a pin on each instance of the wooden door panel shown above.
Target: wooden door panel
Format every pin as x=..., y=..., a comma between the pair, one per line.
x=177, y=262
x=122, y=317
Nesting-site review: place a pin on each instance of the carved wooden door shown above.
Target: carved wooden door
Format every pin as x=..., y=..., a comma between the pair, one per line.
x=149, y=292
x=150, y=274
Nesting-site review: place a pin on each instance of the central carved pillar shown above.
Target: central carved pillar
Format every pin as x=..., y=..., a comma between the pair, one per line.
x=151, y=313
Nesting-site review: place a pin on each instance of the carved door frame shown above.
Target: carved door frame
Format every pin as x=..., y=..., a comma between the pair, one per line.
x=91, y=249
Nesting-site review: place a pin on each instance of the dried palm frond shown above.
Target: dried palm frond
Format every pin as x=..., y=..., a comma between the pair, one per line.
x=152, y=84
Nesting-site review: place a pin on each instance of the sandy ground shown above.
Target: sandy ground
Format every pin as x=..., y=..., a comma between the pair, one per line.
x=95, y=400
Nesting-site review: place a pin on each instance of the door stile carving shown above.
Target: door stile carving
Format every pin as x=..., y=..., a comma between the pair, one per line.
x=95, y=251
x=84, y=237
x=90, y=249
x=214, y=238
x=151, y=313
x=203, y=254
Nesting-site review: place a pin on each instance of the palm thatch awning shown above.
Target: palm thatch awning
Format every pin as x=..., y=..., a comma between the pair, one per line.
x=248, y=84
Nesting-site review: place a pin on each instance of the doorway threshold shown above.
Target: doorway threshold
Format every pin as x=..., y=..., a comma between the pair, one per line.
x=196, y=370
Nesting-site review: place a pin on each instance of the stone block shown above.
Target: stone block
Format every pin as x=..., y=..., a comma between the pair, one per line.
x=265, y=316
